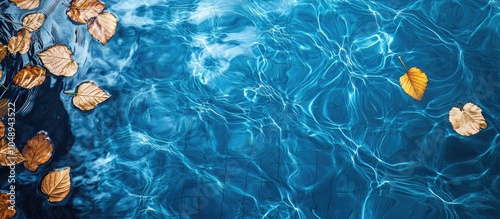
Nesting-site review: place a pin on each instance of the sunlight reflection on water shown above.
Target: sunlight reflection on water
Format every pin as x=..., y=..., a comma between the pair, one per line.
x=288, y=109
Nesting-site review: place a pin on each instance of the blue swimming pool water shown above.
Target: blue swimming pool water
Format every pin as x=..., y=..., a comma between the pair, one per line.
x=284, y=109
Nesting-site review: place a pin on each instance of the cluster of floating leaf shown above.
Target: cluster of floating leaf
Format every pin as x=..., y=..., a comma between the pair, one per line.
x=57, y=60
x=466, y=120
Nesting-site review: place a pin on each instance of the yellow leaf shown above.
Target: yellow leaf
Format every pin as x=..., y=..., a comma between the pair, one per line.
x=103, y=27
x=9, y=154
x=57, y=184
x=26, y=4
x=81, y=11
x=414, y=82
x=37, y=151
x=88, y=96
x=3, y=52
x=29, y=77
x=468, y=120
x=5, y=212
x=33, y=21
x=59, y=61
x=20, y=43
x=4, y=106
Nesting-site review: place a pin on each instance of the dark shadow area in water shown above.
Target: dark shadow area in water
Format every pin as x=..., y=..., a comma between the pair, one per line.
x=38, y=109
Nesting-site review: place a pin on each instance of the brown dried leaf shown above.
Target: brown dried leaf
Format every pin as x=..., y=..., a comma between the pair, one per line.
x=33, y=21
x=57, y=184
x=2, y=130
x=58, y=60
x=26, y=4
x=4, y=106
x=88, y=96
x=29, y=77
x=81, y=11
x=3, y=52
x=9, y=155
x=7, y=211
x=37, y=151
x=103, y=27
x=20, y=43
x=468, y=120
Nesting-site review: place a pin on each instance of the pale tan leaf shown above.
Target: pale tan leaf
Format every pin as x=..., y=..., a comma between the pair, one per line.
x=467, y=121
x=20, y=43
x=88, y=96
x=59, y=61
x=7, y=211
x=81, y=11
x=29, y=77
x=33, y=21
x=103, y=27
x=9, y=155
x=57, y=184
x=37, y=151
x=3, y=52
x=26, y=4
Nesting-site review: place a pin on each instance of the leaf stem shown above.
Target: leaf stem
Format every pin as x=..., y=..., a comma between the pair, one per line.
x=70, y=92
x=460, y=106
x=12, y=22
x=401, y=60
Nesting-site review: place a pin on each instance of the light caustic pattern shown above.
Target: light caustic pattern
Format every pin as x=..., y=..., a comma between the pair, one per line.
x=288, y=109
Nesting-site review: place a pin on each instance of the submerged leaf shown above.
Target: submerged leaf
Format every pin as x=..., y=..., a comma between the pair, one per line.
x=88, y=96
x=33, y=21
x=7, y=211
x=26, y=4
x=9, y=155
x=20, y=43
x=37, y=151
x=4, y=106
x=58, y=60
x=103, y=27
x=468, y=120
x=3, y=52
x=57, y=184
x=81, y=11
x=29, y=77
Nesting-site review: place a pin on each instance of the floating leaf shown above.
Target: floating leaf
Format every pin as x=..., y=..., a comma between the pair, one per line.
x=414, y=82
x=57, y=184
x=7, y=211
x=9, y=155
x=58, y=60
x=37, y=151
x=20, y=43
x=468, y=120
x=33, y=21
x=2, y=130
x=4, y=107
x=1, y=75
x=81, y=11
x=26, y=4
x=88, y=96
x=29, y=77
x=3, y=52
x=103, y=27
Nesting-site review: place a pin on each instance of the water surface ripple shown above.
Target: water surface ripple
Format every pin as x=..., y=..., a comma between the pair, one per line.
x=287, y=109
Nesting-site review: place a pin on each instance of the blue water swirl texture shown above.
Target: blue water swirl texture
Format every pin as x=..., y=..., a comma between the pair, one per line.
x=285, y=109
